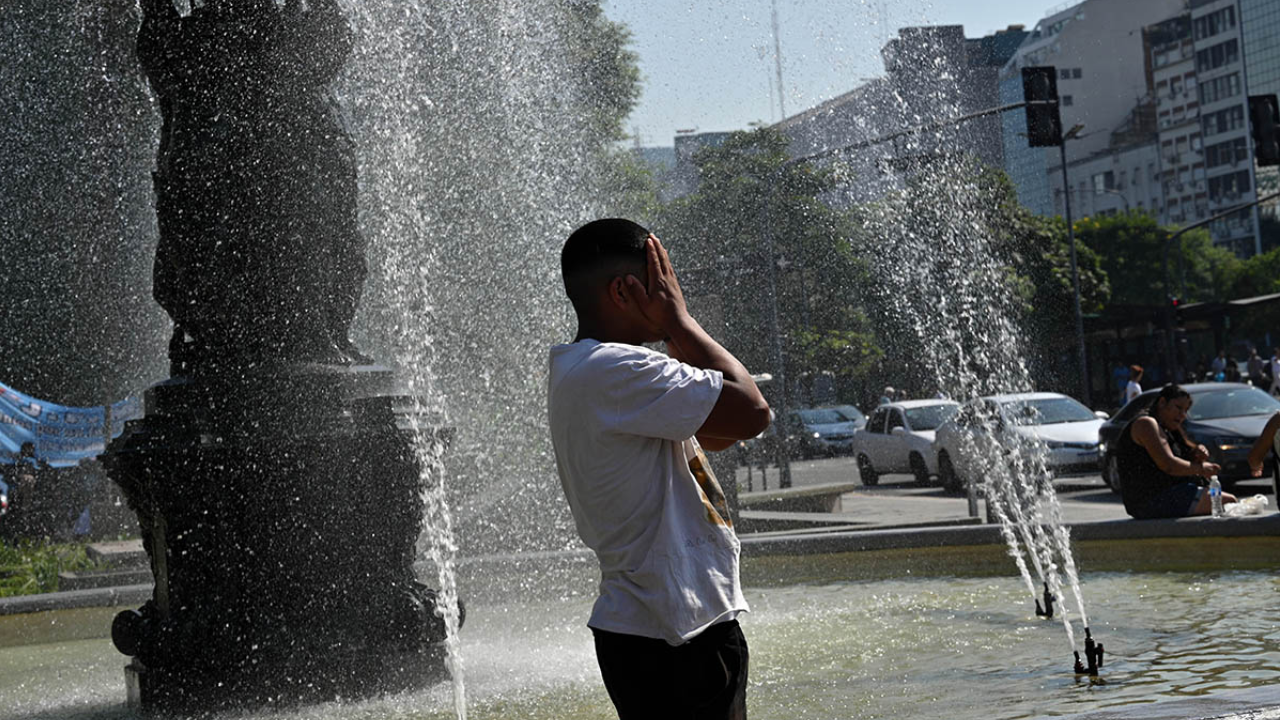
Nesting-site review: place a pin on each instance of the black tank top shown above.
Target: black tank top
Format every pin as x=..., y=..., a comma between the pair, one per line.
x=1141, y=480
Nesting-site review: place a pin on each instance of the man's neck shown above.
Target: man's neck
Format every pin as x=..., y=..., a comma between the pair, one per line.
x=605, y=335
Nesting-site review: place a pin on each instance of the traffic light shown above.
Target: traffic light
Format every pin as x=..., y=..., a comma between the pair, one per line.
x=1264, y=117
x=1040, y=91
x=1173, y=302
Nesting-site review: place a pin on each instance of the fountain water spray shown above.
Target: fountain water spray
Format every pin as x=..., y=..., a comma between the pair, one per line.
x=942, y=273
x=477, y=155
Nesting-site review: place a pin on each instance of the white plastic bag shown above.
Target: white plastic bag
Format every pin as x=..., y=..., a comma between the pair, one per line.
x=1247, y=506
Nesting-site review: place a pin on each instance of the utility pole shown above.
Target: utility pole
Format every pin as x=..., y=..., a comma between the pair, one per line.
x=1075, y=274
x=1044, y=129
x=777, y=62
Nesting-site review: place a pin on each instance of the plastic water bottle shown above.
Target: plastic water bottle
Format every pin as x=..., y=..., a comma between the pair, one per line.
x=1215, y=495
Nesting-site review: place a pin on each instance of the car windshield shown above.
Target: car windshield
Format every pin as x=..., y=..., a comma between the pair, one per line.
x=930, y=417
x=1047, y=411
x=1233, y=402
x=821, y=416
x=850, y=413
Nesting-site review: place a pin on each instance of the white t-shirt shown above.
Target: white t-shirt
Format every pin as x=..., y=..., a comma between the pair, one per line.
x=622, y=422
x=1132, y=390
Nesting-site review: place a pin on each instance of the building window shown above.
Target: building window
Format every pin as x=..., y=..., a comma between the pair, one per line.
x=1064, y=73
x=1215, y=57
x=1229, y=187
x=1076, y=73
x=1222, y=121
x=1230, y=152
x=1067, y=100
x=1214, y=23
x=1220, y=88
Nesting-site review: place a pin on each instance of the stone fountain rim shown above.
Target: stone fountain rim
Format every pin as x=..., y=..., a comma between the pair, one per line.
x=783, y=543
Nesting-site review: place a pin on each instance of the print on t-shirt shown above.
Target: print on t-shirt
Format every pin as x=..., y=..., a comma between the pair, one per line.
x=712, y=495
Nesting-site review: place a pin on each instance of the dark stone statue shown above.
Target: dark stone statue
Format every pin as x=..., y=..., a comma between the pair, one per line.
x=275, y=477
x=260, y=256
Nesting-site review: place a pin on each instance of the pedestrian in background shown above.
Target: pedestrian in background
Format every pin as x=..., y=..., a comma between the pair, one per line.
x=1219, y=366
x=1275, y=370
x=1134, y=388
x=1120, y=374
x=1254, y=367
x=1232, y=373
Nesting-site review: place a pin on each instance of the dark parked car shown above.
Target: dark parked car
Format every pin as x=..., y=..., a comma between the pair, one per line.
x=824, y=431
x=1226, y=418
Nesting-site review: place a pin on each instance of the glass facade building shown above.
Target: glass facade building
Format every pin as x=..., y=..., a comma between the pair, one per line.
x=1260, y=33
x=1026, y=165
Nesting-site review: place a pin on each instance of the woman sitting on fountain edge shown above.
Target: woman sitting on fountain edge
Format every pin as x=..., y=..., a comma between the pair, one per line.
x=1156, y=461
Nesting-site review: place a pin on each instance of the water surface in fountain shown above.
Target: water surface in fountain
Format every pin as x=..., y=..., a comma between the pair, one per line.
x=963, y=647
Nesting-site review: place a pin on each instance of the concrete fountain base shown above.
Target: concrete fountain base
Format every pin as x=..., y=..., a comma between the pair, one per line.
x=280, y=509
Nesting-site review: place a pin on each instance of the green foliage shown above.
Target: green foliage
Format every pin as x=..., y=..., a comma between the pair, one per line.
x=1040, y=252
x=852, y=354
x=1259, y=275
x=1132, y=246
x=31, y=567
x=629, y=183
x=752, y=209
x=609, y=69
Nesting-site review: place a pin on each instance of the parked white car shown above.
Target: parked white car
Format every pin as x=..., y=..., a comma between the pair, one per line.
x=1067, y=429
x=898, y=438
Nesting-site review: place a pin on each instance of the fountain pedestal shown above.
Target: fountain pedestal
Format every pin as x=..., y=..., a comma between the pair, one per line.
x=276, y=477
x=280, y=508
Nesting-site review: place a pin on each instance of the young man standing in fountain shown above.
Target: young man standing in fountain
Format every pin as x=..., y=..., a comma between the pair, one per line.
x=628, y=425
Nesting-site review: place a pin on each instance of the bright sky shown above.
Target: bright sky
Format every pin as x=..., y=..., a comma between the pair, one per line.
x=708, y=64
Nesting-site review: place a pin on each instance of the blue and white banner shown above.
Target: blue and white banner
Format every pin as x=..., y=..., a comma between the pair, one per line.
x=61, y=435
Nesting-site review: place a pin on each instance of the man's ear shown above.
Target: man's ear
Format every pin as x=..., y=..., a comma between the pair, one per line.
x=619, y=294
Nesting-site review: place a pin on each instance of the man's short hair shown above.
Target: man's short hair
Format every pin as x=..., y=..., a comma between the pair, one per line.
x=599, y=251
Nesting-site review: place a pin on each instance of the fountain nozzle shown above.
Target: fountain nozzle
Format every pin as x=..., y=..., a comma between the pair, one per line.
x=1079, y=667
x=1093, y=652
x=1047, y=610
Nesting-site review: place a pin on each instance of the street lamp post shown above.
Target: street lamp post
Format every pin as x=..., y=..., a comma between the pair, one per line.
x=1075, y=273
x=1119, y=194
x=781, y=455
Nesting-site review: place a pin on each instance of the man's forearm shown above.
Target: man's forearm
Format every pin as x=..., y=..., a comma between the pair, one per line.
x=691, y=344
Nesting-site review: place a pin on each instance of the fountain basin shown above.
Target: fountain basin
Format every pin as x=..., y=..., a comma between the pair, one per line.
x=939, y=631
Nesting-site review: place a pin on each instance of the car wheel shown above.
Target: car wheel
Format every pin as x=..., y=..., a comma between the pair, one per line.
x=1112, y=472
x=947, y=474
x=918, y=468
x=866, y=471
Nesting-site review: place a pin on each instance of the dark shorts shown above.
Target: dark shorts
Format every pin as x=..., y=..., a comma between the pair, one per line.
x=1175, y=502
x=705, y=678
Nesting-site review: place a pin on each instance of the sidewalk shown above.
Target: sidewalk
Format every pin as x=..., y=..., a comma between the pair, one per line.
x=898, y=502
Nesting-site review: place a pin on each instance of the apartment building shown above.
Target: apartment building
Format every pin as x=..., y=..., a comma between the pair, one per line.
x=1102, y=77
x=1222, y=91
x=1171, y=57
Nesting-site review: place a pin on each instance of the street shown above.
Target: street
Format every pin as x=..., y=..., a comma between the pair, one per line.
x=898, y=500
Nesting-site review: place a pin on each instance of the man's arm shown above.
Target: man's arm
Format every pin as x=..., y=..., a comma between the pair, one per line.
x=1262, y=446
x=741, y=411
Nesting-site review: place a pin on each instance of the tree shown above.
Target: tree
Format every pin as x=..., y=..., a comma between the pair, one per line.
x=1259, y=275
x=1132, y=247
x=967, y=285
x=752, y=209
